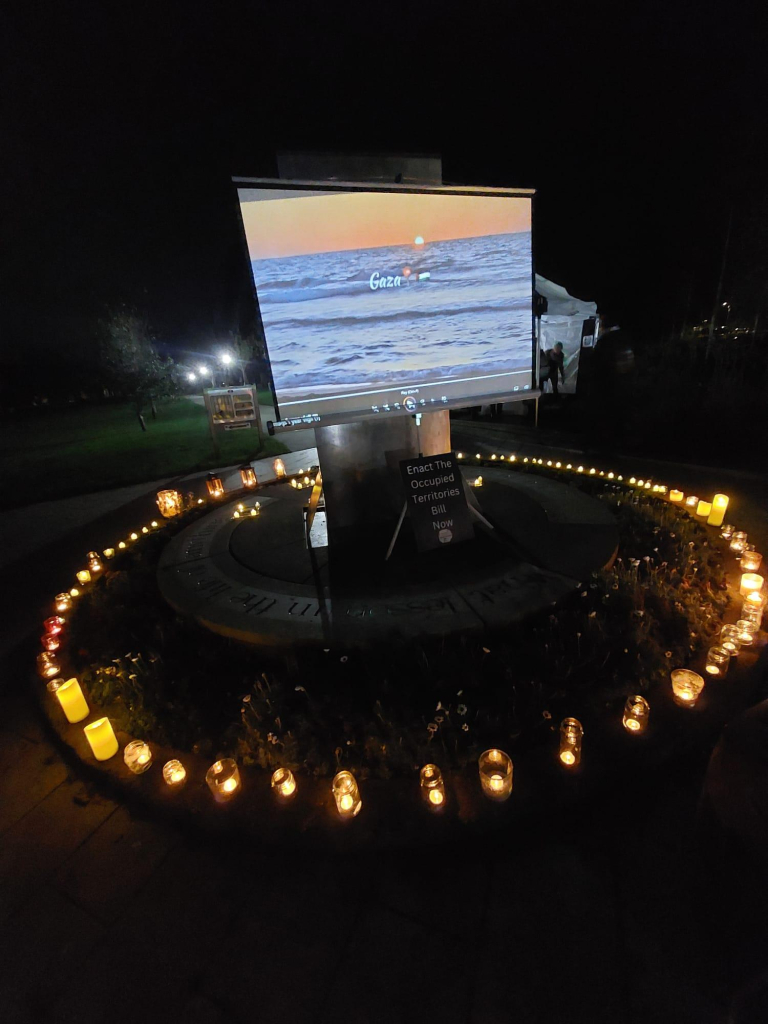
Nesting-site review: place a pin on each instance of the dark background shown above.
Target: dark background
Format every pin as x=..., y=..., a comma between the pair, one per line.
x=642, y=130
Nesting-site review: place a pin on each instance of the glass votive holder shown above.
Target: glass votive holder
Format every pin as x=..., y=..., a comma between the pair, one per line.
x=726, y=531
x=54, y=625
x=47, y=665
x=101, y=738
x=170, y=503
x=675, y=495
x=278, y=467
x=108, y=553
x=730, y=639
x=215, y=486
x=223, y=778
x=50, y=641
x=283, y=782
x=751, y=583
x=94, y=562
x=738, y=540
x=686, y=686
x=718, y=659
x=137, y=756
x=248, y=476
x=746, y=631
x=63, y=602
x=432, y=786
x=346, y=794
x=703, y=508
x=691, y=501
x=571, y=734
x=83, y=576
x=750, y=561
x=174, y=774
x=636, y=713
x=496, y=774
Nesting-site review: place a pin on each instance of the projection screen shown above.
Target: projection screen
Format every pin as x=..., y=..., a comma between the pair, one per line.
x=379, y=301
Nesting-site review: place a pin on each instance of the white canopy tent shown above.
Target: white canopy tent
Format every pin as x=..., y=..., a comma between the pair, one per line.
x=564, y=321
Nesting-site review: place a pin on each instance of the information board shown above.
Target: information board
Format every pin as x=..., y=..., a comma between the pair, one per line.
x=437, y=504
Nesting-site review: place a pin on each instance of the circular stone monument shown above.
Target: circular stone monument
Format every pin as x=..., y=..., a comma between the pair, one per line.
x=254, y=579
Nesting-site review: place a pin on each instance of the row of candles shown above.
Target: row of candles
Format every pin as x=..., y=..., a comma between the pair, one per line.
x=495, y=766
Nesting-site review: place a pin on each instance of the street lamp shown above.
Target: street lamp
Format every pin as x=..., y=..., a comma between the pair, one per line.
x=191, y=377
x=226, y=359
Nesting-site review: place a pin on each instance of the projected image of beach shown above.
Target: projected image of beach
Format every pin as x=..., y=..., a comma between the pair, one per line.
x=365, y=294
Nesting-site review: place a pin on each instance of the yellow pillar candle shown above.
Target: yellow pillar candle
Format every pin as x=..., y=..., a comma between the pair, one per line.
x=675, y=495
x=703, y=508
x=102, y=739
x=109, y=552
x=72, y=701
x=83, y=576
x=751, y=583
x=719, y=506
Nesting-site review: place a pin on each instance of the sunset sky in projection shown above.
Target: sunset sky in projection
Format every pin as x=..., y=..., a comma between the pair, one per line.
x=367, y=220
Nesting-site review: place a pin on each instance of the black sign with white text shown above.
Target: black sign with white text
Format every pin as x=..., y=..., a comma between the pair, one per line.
x=437, y=505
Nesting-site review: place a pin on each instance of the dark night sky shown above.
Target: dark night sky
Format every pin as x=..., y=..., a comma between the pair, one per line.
x=122, y=124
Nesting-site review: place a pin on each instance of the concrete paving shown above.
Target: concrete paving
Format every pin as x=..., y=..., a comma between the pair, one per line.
x=109, y=917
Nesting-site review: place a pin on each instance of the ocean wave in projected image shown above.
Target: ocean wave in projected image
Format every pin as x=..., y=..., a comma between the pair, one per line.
x=339, y=321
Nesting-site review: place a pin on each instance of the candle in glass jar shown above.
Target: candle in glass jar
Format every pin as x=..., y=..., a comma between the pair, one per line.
x=223, y=778
x=571, y=733
x=729, y=639
x=102, y=739
x=94, y=562
x=432, y=786
x=346, y=794
x=738, y=540
x=751, y=583
x=284, y=782
x=109, y=552
x=726, y=532
x=72, y=701
x=496, y=774
x=717, y=513
x=686, y=687
x=174, y=773
x=137, y=756
x=750, y=561
x=63, y=602
x=692, y=501
x=50, y=641
x=54, y=624
x=47, y=665
x=636, y=713
x=746, y=632
x=718, y=659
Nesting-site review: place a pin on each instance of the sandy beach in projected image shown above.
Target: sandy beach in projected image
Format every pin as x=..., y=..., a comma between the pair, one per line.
x=328, y=332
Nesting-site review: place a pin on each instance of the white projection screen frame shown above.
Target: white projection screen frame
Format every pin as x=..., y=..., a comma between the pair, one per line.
x=385, y=300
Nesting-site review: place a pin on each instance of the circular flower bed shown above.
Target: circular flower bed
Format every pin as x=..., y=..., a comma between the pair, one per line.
x=385, y=712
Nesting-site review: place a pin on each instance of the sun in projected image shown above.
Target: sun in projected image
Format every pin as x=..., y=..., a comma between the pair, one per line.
x=418, y=240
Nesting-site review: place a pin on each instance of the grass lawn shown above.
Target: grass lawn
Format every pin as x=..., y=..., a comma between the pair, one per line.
x=93, y=448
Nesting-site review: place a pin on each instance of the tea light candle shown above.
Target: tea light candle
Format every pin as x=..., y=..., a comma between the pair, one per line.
x=738, y=540
x=477, y=482
x=718, y=659
x=47, y=665
x=109, y=552
x=717, y=513
x=750, y=561
x=74, y=592
x=170, y=503
x=346, y=794
x=571, y=733
x=751, y=583
x=283, y=782
x=729, y=639
x=496, y=773
x=72, y=701
x=134, y=536
x=726, y=531
x=686, y=687
x=174, y=774
x=746, y=632
x=94, y=562
x=63, y=602
x=102, y=739
x=137, y=756
x=122, y=545
x=223, y=778
x=279, y=469
x=255, y=510
x=54, y=625
x=636, y=713
x=145, y=529
x=691, y=501
x=154, y=524
x=83, y=576
x=432, y=786
x=703, y=508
